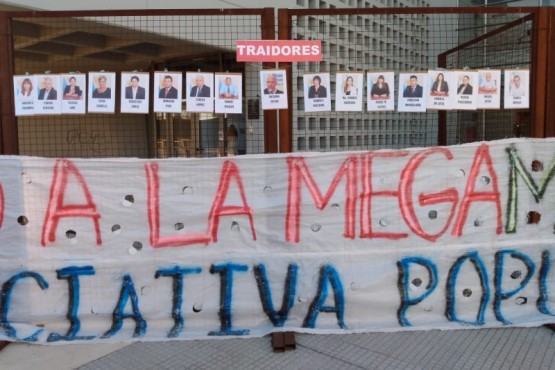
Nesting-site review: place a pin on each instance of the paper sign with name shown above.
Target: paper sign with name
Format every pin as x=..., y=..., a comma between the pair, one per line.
x=200, y=92
x=167, y=92
x=279, y=50
x=102, y=90
x=317, y=94
x=135, y=92
x=273, y=89
x=466, y=97
x=489, y=89
x=381, y=91
x=441, y=90
x=229, y=98
x=412, y=88
x=107, y=250
x=348, y=91
x=48, y=99
x=517, y=89
x=24, y=95
x=74, y=93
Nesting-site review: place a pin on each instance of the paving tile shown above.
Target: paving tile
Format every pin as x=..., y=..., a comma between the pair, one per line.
x=503, y=348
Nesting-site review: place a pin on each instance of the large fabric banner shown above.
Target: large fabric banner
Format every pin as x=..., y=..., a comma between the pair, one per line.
x=106, y=250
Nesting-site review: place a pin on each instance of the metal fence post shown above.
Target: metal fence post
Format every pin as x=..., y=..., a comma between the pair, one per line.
x=8, y=124
x=286, y=115
x=538, y=81
x=270, y=116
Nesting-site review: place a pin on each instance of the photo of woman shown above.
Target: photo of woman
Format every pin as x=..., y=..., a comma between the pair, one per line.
x=100, y=87
x=349, y=88
x=348, y=91
x=102, y=91
x=72, y=91
x=380, y=90
x=26, y=88
x=317, y=90
x=440, y=86
x=24, y=95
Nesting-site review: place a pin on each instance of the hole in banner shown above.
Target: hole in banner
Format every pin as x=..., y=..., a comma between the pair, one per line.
x=537, y=166
x=485, y=180
x=534, y=217
x=315, y=227
x=516, y=274
x=116, y=229
x=128, y=200
x=417, y=282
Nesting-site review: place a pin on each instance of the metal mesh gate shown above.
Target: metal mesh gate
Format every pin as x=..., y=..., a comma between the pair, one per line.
x=178, y=41
x=492, y=41
x=356, y=39
x=404, y=40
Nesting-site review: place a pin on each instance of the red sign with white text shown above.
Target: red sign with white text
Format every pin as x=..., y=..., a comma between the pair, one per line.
x=279, y=50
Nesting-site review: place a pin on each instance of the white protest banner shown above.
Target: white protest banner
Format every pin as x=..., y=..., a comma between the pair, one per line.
x=107, y=250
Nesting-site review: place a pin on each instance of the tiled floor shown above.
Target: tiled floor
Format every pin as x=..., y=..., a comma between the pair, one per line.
x=508, y=348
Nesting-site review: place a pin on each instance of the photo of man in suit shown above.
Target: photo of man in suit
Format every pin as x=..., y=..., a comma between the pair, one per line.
x=465, y=88
x=48, y=92
x=168, y=91
x=135, y=91
x=414, y=90
x=271, y=86
x=200, y=90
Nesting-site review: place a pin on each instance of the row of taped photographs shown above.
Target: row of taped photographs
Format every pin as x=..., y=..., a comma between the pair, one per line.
x=222, y=92
x=419, y=91
x=70, y=93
